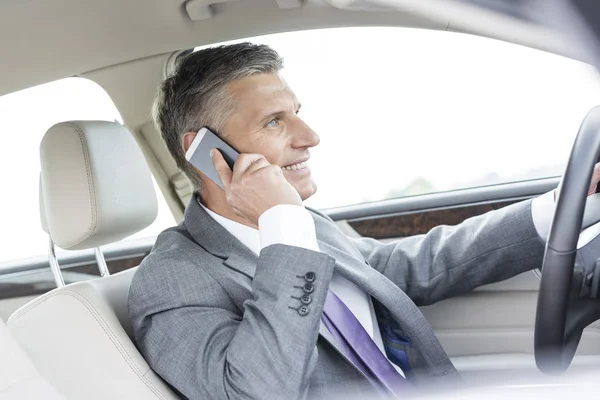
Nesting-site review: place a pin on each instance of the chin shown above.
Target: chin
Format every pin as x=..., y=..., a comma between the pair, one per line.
x=307, y=190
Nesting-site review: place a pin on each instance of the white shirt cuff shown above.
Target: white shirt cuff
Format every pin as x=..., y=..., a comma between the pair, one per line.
x=542, y=211
x=287, y=224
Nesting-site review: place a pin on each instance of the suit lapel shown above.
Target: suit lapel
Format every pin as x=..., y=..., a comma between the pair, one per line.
x=207, y=232
x=215, y=239
x=241, y=259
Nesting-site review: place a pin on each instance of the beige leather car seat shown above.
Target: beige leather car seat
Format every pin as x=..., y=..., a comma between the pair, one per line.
x=18, y=377
x=97, y=189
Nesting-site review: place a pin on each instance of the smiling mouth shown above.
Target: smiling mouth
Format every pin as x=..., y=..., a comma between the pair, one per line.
x=296, y=167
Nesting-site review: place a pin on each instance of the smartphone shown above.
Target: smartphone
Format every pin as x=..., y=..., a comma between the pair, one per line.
x=199, y=154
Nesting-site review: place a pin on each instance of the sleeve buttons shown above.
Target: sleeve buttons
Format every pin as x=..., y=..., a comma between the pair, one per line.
x=308, y=288
x=303, y=310
x=305, y=299
x=310, y=277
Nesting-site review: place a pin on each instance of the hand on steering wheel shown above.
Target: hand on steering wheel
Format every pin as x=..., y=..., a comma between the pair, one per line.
x=563, y=308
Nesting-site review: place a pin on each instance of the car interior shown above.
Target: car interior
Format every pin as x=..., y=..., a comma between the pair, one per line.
x=64, y=329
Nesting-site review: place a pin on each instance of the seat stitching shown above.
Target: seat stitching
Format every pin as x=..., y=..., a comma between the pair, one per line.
x=116, y=342
x=103, y=325
x=91, y=186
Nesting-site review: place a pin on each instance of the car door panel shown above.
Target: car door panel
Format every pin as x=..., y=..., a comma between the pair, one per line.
x=491, y=328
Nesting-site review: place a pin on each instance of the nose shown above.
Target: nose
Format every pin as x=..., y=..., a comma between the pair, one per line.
x=303, y=136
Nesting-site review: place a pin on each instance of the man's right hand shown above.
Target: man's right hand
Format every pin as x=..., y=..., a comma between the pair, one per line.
x=254, y=185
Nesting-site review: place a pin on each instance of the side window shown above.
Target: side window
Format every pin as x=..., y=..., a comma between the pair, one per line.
x=25, y=117
x=403, y=112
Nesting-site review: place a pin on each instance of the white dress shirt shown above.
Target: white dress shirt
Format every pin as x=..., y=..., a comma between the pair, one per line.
x=542, y=210
x=299, y=230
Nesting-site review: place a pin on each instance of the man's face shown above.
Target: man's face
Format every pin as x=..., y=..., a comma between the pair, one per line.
x=265, y=121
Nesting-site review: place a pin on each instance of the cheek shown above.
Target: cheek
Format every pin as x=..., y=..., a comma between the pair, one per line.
x=271, y=146
x=272, y=149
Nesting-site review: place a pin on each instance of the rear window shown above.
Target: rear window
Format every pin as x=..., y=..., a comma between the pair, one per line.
x=25, y=116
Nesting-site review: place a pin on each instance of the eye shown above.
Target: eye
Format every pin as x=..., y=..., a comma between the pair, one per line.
x=273, y=123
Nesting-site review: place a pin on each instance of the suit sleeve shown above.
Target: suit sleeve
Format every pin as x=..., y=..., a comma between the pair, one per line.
x=205, y=347
x=450, y=260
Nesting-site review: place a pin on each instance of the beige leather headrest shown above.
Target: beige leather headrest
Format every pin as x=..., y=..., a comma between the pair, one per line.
x=96, y=187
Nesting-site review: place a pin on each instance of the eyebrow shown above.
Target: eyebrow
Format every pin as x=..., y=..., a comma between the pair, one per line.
x=276, y=114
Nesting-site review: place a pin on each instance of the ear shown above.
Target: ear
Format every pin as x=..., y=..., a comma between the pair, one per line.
x=187, y=139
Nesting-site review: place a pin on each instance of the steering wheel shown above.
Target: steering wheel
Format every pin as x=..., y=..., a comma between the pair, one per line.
x=566, y=305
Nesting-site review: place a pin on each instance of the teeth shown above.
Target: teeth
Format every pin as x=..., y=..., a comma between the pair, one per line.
x=296, y=167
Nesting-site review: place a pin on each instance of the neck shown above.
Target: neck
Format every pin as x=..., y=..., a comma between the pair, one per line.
x=214, y=199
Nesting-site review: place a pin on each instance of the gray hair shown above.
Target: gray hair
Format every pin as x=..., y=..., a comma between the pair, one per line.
x=195, y=95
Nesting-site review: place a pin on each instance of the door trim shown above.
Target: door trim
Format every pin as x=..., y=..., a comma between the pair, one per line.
x=456, y=198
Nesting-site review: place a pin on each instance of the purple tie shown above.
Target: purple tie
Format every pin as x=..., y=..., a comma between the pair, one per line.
x=359, y=347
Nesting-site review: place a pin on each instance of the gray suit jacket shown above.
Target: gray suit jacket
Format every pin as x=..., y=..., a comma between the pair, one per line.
x=217, y=322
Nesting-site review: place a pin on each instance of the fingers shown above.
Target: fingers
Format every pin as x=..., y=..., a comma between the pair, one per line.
x=244, y=161
x=595, y=179
x=248, y=163
x=596, y=173
x=265, y=168
x=275, y=170
x=258, y=164
x=223, y=170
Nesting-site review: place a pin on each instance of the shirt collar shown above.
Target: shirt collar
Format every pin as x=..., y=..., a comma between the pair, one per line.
x=245, y=234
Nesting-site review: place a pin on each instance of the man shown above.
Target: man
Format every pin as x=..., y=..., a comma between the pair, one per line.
x=253, y=296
